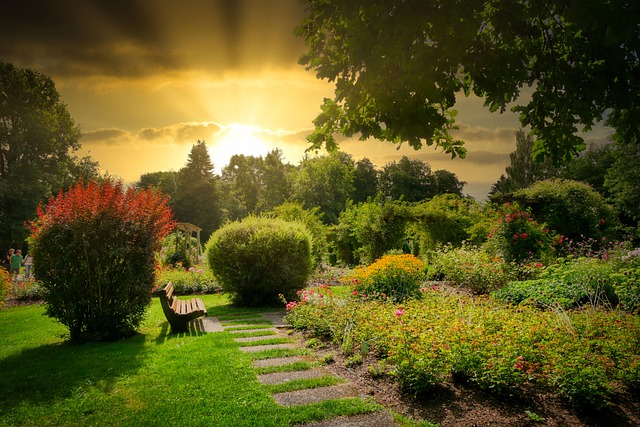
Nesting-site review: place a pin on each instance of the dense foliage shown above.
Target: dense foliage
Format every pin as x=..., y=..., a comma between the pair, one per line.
x=572, y=209
x=518, y=237
x=394, y=277
x=399, y=67
x=469, y=267
x=367, y=230
x=589, y=356
x=197, y=197
x=94, y=255
x=5, y=285
x=188, y=281
x=311, y=219
x=37, y=140
x=257, y=259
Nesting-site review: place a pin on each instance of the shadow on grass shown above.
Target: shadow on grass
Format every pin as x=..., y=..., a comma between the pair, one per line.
x=195, y=329
x=59, y=371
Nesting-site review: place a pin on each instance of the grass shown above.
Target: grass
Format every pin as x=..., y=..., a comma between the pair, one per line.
x=303, y=384
x=153, y=378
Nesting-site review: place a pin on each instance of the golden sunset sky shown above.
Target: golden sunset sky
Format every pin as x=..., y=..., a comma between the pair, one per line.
x=145, y=79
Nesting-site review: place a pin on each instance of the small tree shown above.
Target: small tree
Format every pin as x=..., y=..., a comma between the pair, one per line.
x=94, y=254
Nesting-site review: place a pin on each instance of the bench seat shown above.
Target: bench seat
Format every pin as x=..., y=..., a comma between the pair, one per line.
x=179, y=312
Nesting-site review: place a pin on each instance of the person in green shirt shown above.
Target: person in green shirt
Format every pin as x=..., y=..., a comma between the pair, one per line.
x=16, y=263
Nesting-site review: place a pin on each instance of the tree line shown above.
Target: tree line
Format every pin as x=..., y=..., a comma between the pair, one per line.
x=251, y=185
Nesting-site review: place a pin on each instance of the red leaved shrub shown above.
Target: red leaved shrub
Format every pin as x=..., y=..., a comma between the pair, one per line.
x=94, y=251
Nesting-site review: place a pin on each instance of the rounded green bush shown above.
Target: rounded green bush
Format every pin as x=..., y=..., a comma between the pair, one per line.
x=573, y=209
x=257, y=259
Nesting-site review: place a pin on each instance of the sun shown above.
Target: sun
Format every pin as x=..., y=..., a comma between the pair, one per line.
x=237, y=138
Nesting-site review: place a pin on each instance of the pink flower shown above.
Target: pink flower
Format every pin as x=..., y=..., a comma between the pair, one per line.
x=435, y=288
x=354, y=293
x=291, y=305
x=399, y=312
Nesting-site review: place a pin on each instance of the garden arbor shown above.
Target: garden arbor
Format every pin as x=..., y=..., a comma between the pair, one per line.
x=188, y=239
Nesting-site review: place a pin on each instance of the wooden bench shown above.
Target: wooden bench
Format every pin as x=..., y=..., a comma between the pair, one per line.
x=178, y=312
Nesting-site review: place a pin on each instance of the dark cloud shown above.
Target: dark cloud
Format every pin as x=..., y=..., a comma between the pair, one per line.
x=487, y=158
x=498, y=135
x=105, y=136
x=181, y=133
x=133, y=38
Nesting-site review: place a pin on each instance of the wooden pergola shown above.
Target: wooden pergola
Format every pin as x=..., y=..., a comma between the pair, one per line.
x=187, y=230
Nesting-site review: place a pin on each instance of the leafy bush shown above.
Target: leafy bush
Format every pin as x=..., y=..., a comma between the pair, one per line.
x=468, y=266
x=543, y=293
x=572, y=209
x=518, y=237
x=397, y=277
x=28, y=290
x=445, y=218
x=178, y=258
x=367, y=230
x=5, y=285
x=311, y=218
x=626, y=281
x=94, y=255
x=589, y=278
x=193, y=280
x=257, y=259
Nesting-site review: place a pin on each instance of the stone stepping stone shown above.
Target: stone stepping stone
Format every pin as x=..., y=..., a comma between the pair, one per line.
x=259, y=338
x=278, y=361
x=372, y=419
x=283, y=377
x=314, y=395
x=210, y=324
x=256, y=348
x=252, y=326
x=244, y=331
x=277, y=318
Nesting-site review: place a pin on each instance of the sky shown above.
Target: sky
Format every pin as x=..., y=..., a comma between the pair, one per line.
x=146, y=79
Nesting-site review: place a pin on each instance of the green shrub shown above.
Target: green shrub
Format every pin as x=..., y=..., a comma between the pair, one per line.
x=311, y=218
x=543, y=293
x=94, y=255
x=257, y=259
x=468, y=266
x=396, y=277
x=185, y=282
x=28, y=290
x=626, y=281
x=572, y=209
x=367, y=231
x=446, y=218
x=5, y=285
x=178, y=258
x=589, y=277
x=518, y=237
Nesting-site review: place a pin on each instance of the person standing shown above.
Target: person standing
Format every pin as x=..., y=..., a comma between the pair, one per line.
x=28, y=264
x=16, y=264
x=6, y=261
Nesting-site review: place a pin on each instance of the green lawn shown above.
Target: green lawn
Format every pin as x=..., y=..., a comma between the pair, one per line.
x=154, y=378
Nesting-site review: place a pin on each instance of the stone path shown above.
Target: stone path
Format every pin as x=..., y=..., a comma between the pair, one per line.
x=276, y=329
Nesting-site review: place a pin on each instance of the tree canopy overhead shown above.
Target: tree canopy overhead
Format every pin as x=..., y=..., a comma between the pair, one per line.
x=399, y=66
